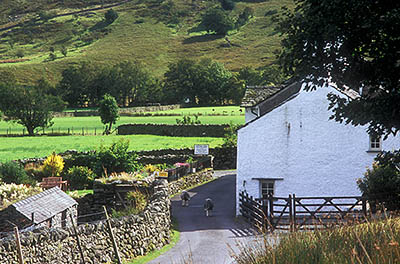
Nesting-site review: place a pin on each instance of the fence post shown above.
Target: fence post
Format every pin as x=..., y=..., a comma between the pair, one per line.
x=294, y=212
x=78, y=241
x=95, y=131
x=23, y=131
x=19, y=249
x=364, y=206
x=112, y=237
x=68, y=131
x=83, y=131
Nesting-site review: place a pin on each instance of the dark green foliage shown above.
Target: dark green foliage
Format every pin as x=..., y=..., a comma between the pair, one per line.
x=116, y=159
x=20, y=53
x=381, y=184
x=52, y=56
x=12, y=172
x=64, y=51
x=350, y=43
x=31, y=107
x=108, y=110
x=203, y=83
x=267, y=75
x=218, y=21
x=46, y=15
x=244, y=17
x=227, y=4
x=80, y=177
x=187, y=120
x=110, y=16
x=230, y=137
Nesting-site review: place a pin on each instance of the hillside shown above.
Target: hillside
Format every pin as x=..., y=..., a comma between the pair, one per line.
x=153, y=32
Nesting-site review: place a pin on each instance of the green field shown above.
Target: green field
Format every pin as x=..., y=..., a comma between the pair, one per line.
x=12, y=148
x=93, y=123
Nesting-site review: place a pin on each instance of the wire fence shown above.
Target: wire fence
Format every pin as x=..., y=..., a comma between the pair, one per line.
x=56, y=131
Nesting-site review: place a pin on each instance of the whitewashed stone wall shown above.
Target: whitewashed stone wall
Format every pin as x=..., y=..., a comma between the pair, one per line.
x=313, y=155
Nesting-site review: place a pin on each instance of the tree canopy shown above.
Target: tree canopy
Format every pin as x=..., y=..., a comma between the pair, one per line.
x=217, y=20
x=354, y=44
x=31, y=107
x=108, y=110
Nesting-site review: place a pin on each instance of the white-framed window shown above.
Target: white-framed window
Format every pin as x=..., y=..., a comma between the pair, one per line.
x=375, y=143
x=267, y=188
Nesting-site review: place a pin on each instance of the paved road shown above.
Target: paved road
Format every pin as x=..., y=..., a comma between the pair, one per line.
x=206, y=239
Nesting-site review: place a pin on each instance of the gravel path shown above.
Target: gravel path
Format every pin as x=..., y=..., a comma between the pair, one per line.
x=206, y=239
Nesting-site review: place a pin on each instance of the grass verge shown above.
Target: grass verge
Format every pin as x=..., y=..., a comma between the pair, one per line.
x=372, y=242
x=175, y=235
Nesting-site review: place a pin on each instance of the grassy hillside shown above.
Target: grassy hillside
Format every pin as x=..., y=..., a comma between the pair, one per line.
x=153, y=32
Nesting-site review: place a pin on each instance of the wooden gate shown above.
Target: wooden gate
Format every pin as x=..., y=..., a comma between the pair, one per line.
x=253, y=211
x=295, y=213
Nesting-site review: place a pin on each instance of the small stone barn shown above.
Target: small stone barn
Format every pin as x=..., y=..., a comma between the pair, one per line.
x=50, y=208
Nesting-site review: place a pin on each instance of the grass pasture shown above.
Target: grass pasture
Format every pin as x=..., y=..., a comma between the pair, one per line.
x=92, y=124
x=12, y=148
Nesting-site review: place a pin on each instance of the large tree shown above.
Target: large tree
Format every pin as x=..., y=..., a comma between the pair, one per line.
x=355, y=44
x=31, y=107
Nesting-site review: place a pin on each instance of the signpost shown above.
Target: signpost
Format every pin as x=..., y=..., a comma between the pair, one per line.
x=201, y=149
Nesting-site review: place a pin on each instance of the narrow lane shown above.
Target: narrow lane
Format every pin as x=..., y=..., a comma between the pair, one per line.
x=207, y=239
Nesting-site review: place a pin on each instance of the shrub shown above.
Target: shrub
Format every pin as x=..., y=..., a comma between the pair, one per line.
x=34, y=171
x=227, y=4
x=187, y=120
x=20, y=53
x=12, y=172
x=217, y=20
x=12, y=193
x=230, y=136
x=116, y=158
x=381, y=184
x=110, y=16
x=80, y=177
x=53, y=165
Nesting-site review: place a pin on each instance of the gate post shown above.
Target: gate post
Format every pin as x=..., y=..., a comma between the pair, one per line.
x=290, y=213
x=271, y=212
x=294, y=213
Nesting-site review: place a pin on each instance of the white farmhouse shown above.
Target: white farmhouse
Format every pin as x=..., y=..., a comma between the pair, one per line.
x=289, y=146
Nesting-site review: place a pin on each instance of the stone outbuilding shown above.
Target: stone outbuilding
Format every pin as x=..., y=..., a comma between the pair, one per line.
x=50, y=208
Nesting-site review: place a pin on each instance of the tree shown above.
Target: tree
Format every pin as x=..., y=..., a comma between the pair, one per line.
x=31, y=107
x=76, y=84
x=64, y=51
x=353, y=44
x=217, y=20
x=381, y=184
x=108, y=110
x=110, y=16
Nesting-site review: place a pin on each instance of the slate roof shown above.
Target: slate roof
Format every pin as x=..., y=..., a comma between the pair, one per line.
x=45, y=204
x=257, y=94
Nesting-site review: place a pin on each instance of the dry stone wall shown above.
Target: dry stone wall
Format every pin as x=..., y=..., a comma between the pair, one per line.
x=136, y=235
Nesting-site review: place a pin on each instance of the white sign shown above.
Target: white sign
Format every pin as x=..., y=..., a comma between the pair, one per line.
x=201, y=149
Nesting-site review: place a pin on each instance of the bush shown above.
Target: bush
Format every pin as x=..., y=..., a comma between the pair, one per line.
x=137, y=199
x=20, y=53
x=12, y=172
x=116, y=158
x=110, y=16
x=227, y=4
x=230, y=136
x=53, y=165
x=12, y=193
x=187, y=120
x=80, y=177
x=381, y=184
x=217, y=20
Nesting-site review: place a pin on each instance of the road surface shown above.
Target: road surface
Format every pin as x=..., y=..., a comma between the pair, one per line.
x=207, y=239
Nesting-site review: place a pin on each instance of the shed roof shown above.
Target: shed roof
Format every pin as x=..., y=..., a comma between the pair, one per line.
x=45, y=204
x=257, y=94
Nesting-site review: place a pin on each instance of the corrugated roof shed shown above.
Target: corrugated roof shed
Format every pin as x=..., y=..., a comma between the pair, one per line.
x=257, y=94
x=45, y=204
